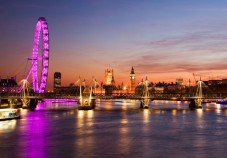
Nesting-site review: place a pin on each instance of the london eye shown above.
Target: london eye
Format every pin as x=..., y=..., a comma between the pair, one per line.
x=39, y=82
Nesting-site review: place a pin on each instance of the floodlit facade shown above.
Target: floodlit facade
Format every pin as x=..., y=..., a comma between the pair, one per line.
x=132, y=81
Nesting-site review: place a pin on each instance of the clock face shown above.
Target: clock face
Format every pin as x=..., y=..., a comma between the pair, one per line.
x=133, y=77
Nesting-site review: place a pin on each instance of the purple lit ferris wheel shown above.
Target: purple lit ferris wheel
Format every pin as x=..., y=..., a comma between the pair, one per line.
x=41, y=29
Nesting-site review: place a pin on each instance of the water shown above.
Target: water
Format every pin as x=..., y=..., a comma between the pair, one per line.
x=116, y=129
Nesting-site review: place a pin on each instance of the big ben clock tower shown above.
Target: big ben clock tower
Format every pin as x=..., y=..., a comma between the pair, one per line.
x=132, y=80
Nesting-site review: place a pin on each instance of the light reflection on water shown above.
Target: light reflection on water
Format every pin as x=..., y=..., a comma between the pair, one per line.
x=53, y=104
x=117, y=129
x=32, y=135
x=7, y=126
x=85, y=118
x=84, y=132
x=124, y=130
x=146, y=115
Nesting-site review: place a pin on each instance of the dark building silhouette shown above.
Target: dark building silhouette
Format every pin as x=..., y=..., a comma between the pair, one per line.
x=57, y=80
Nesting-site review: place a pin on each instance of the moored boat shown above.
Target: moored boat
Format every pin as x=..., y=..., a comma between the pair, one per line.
x=221, y=101
x=9, y=113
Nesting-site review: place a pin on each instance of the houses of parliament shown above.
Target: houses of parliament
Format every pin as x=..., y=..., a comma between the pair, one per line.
x=107, y=87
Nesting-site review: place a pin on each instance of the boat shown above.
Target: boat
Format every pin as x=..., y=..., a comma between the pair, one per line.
x=221, y=101
x=9, y=113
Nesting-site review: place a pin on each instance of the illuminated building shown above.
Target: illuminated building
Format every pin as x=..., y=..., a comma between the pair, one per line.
x=132, y=81
x=109, y=77
x=9, y=85
x=179, y=81
x=57, y=80
x=109, y=82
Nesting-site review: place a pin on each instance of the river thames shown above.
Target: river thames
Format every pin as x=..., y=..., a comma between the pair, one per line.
x=116, y=129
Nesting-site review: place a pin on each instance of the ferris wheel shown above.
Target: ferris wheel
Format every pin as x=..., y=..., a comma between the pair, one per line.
x=41, y=29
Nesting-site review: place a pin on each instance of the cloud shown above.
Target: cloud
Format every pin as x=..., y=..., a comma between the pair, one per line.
x=190, y=52
x=188, y=40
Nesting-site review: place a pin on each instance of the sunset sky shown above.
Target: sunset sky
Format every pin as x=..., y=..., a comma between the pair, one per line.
x=161, y=39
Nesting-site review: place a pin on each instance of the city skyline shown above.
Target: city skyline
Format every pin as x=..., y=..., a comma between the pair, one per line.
x=161, y=39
